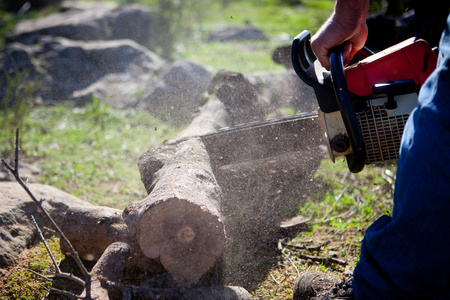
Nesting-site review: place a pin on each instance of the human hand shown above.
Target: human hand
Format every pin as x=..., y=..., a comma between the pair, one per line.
x=347, y=27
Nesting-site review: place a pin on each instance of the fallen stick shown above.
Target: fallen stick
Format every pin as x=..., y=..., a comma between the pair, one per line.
x=323, y=259
x=110, y=266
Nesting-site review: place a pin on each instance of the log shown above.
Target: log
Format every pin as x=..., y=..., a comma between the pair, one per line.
x=110, y=266
x=91, y=229
x=179, y=222
x=164, y=287
x=211, y=117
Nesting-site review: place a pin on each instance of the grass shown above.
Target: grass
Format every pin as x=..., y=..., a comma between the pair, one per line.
x=90, y=152
x=341, y=208
x=280, y=22
x=21, y=283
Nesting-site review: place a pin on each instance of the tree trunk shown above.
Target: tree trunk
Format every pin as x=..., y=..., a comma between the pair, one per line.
x=179, y=222
x=91, y=229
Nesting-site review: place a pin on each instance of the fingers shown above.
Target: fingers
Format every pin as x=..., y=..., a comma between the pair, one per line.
x=347, y=53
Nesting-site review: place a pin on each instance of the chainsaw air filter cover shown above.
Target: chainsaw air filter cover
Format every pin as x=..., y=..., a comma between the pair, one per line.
x=389, y=80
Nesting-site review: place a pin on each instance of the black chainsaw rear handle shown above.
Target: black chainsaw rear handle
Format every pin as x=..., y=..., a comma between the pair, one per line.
x=303, y=59
x=355, y=160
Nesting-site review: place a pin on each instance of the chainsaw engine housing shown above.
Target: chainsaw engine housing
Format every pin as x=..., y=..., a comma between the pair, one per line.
x=364, y=107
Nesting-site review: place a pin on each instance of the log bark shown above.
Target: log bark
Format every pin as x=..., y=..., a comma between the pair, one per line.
x=164, y=287
x=211, y=117
x=110, y=266
x=143, y=292
x=179, y=222
x=91, y=229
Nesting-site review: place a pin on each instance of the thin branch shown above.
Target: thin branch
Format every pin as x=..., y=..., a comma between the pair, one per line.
x=63, y=238
x=67, y=276
x=65, y=293
x=39, y=275
x=58, y=272
x=302, y=247
x=323, y=259
x=290, y=260
x=273, y=278
x=46, y=246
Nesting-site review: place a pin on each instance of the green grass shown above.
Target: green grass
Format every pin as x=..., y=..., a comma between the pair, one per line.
x=90, y=152
x=279, y=22
x=351, y=200
x=20, y=283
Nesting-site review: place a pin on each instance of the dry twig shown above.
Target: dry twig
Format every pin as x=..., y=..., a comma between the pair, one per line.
x=74, y=254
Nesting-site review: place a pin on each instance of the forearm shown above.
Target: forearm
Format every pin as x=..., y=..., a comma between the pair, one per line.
x=353, y=13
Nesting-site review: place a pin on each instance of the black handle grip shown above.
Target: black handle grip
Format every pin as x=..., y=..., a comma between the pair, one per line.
x=356, y=160
x=303, y=59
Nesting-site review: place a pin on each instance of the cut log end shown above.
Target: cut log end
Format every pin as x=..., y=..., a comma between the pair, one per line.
x=187, y=239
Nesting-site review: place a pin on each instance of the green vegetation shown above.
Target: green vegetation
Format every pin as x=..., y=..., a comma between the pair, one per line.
x=341, y=207
x=92, y=151
x=280, y=22
x=21, y=283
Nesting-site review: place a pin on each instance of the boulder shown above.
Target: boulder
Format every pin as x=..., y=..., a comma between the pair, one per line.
x=177, y=94
x=100, y=23
x=238, y=95
x=17, y=231
x=75, y=65
x=283, y=89
x=28, y=171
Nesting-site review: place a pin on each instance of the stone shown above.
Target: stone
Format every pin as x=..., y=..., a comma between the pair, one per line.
x=177, y=94
x=28, y=171
x=99, y=22
x=17, y=231
x=75, y=65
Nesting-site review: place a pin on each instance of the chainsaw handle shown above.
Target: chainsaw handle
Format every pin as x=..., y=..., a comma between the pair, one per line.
x=303, y=59
x=356, y=160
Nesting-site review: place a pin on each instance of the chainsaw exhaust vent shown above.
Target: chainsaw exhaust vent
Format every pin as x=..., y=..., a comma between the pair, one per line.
x=382, y=134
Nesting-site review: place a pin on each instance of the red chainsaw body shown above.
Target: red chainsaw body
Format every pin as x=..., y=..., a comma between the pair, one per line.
x=411, y=59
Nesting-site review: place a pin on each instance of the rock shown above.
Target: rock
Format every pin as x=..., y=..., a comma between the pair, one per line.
x=131, y=22
x=16, y=57
x=16, y=5
x=77, y=25
x=237, y=33
x=282, y=56
x=283, y=89
x=178, y=93
x=84, y=5
x=17, y=232
x=75, y=65
x=238, y=95
x=27, y=171
x=18, y=73
x=99, y=23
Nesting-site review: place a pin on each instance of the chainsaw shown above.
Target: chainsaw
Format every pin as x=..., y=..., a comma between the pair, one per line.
x=362, y=111
x=363, y=107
